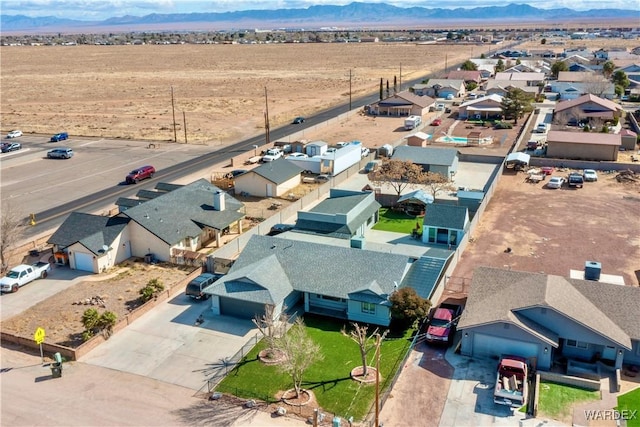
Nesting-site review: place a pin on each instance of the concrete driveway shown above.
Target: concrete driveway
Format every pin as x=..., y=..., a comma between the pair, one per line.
x=60, y=278
x=165, y=344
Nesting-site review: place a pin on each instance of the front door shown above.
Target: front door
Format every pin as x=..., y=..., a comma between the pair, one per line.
x=269, y=190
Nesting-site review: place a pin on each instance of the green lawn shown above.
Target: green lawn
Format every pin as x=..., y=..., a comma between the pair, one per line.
x=398, y=222
x=556, y=400
x=631, y=402
x=329, y=379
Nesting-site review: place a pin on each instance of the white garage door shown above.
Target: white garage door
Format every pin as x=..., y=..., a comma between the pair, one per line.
x=84, y=262
x=487, y=345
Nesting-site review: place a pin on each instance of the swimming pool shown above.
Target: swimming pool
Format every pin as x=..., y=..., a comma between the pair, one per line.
x=455, y=139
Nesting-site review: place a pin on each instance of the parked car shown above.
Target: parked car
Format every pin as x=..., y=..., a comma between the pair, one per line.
x=196, y=287
x=575, y=180
x=59, y=137
x=297, y=156
x=10, y=146
x=364, y=151
x=139, y=174
x=436, y=122
x=280, y=228
x=331, y=150
x=298, y=120
x=449, y=96
x=370, y=167
x=323, y=177
x=542, y=128
x=271, y=155
x=590, y=175
x=235, y=173
x=440, y=107
x=14, y=134
x=547, y=170
x=22, y=274
x=60, y=153
x=555, y=182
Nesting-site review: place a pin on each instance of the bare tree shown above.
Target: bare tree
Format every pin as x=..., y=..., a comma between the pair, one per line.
x=364, y=341
x=271, y=327
x=12, y=228
x=596, y=84
x=301, y=352
x=401, y=174
x=439, y=185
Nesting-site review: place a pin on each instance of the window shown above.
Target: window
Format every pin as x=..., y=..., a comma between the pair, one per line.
x=577, y=344
x=432, y=235
x=330, y=298
x=368, y=308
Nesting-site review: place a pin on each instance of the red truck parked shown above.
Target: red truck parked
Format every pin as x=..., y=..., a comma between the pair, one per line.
x=442, y=325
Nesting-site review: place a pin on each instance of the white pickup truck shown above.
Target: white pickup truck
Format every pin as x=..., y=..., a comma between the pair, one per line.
x=23, y=274
x=271, y=155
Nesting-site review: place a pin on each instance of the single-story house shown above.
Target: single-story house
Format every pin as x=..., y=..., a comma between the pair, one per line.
x=545, y=316
x=344, y=214
x=573, y=90
x=587, y=106
x=583, y=145
x=468, y=76
x=273, y=179
x=92, y=242
x=502, y=87
x=341, y=282
x=575, y=76
x=444, y=224
x=482, y=108
x=532, y=79
x=175, y=224
x=418, y=139
x=437, y=160
x=403, y=103
x=440, y=88
x=414, y=203
x=182, y=221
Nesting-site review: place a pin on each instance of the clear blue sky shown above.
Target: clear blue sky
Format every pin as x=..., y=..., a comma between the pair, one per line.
x=102, y=9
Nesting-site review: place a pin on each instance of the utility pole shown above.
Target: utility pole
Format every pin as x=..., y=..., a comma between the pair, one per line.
x=400, y=86
x=349, y=89
x=184, y=120
x=377, y=420
x=266, y=117
x=173, y=108
x=445, y=63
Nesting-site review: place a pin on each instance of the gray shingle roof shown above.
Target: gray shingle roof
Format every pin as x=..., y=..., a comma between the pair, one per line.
x=128, y=203
x=183, y=212
x=339, y=204
x=165, y=186
x=498, y=295
x=149, y=194
x=264, y=282
x=425, y=155
x=445, y=216
x=312, y=267
x=278, y=171
x=92, y=231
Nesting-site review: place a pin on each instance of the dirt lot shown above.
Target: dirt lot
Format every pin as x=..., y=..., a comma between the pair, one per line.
x=125, y=91
x=553, y=231
x=61, y=314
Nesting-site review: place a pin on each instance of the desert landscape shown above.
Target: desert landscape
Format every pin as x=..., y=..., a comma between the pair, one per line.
x=218, y=90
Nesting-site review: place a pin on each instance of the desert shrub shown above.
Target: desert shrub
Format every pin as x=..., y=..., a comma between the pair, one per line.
x=90, y=319
x=95, y=322
x=503, y=125
x=153, y=287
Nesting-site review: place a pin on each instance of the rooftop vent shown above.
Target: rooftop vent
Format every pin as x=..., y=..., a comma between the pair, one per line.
x=218, y=200
x=592, y=270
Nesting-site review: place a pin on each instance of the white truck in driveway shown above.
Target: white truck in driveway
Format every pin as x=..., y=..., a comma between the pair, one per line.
x=23, y=274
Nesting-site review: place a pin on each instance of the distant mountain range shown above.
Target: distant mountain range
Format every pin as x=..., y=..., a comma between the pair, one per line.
x=352, y=15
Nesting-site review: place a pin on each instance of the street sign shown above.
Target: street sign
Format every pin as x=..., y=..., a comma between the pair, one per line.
x=39, y=335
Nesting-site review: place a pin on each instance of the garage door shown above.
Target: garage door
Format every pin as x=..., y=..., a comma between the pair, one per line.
x=487, y=345
x=237, y=308
x=84, y=262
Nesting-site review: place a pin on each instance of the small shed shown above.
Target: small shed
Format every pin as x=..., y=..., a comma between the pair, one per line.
x=517, y=160
x=418, y=139
x=316, y=148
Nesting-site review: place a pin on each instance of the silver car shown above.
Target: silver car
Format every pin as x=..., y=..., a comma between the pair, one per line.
x=60, y=153
x=555, y=182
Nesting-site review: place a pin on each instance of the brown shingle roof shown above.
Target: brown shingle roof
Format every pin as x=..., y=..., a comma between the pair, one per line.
x=421, y=101
x=503, y=296
x=605, y=103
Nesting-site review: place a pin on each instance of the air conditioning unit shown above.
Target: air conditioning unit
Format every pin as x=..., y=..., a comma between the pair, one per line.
x=592, y=270
x=358, y=242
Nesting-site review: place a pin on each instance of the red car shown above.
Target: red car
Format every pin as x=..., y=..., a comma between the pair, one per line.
x=139, y=174
x=547, y=170
x=436, y=122
x=442, y=324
